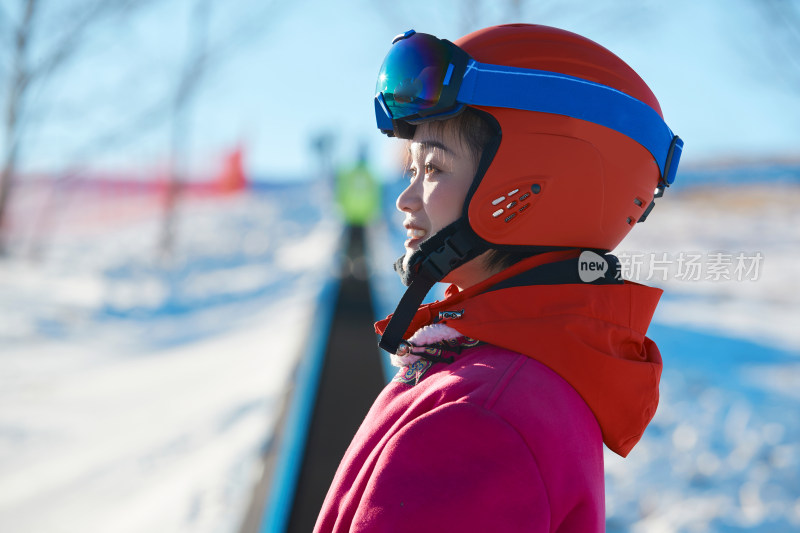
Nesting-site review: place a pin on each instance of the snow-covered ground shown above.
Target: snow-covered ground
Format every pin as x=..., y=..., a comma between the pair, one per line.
x=723, y=451
x=755, y=228
x=137, y=394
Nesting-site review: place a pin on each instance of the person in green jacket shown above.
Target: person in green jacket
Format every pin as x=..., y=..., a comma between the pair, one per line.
x=358, y=196
x=358, y=192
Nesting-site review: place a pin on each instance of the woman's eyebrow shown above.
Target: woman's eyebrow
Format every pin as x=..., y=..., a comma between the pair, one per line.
x=430, y=145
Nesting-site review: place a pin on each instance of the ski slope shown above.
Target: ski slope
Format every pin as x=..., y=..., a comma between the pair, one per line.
x=137, y=397
x=137, y=394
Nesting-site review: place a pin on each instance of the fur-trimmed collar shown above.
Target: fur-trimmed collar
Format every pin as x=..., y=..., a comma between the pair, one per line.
x=423, y=336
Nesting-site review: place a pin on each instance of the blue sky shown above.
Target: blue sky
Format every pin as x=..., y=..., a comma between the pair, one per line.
x=310, y=66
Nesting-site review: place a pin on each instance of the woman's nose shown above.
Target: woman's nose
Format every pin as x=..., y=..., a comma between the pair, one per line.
x=410, y=199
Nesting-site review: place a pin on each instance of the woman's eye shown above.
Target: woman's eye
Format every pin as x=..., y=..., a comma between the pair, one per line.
x=430, y=169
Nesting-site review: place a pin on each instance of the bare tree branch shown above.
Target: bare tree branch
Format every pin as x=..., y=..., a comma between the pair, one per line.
x=140, y=123
x=61, y=33
x=188, y=85
x=124, y=133
x=71, y=39
x=249, y=27
x=5, y=28
x=201, y=58
x=15, y=100
x=783, y=37
x=24, y=75
x=788, y=12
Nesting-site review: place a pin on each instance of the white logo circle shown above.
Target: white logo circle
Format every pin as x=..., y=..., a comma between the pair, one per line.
x=591, y=266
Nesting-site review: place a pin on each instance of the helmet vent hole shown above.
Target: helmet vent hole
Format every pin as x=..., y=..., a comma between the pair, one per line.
x=536, y=188
x=638, y=201
x=630, y=221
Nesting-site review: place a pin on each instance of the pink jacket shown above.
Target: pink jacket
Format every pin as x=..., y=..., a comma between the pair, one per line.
x=509, y=436
x=463, y=450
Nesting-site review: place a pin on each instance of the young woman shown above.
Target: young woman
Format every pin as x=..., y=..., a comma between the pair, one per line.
x=532, y=152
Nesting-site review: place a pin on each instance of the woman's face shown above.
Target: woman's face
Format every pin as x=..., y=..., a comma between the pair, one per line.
x=440, y=171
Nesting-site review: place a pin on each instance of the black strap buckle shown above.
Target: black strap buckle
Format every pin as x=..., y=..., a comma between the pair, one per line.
x=450, y=255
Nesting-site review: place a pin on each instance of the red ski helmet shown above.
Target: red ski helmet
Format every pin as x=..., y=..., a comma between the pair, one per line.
x=582, y=148
x=588, y=183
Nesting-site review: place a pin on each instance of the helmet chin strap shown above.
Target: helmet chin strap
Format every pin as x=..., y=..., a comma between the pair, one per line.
x=450, y=248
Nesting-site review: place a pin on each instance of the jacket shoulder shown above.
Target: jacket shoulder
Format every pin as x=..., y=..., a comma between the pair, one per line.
x=459, y=467
x=558, y=428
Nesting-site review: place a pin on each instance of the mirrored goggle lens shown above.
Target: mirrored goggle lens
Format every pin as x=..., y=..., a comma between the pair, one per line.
x=413, y=74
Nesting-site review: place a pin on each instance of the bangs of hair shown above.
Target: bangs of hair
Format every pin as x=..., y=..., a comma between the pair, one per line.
x=471, y=130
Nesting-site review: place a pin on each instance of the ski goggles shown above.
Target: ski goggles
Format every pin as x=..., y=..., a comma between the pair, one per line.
x=425, y=78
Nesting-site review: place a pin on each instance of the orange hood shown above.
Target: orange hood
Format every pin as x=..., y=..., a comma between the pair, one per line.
x=593, y=336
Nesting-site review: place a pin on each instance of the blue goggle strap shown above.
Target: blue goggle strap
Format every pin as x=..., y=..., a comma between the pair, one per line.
x=549, y=92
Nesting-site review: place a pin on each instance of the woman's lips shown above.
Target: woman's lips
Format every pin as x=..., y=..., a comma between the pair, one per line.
x=415, y=236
